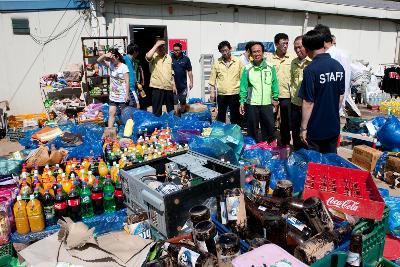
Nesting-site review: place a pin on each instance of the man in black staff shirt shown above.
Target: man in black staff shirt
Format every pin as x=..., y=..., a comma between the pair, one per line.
x=182, y=68
x=322, y=92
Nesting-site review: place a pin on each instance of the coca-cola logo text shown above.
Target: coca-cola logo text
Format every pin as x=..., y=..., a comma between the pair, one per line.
x=343, y=204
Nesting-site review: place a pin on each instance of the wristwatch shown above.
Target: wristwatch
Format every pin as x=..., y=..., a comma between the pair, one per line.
x=302, y=130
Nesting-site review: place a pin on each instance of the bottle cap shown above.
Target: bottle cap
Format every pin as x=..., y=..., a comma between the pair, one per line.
x=31, y=197
x=19, y=198
x=90, y=172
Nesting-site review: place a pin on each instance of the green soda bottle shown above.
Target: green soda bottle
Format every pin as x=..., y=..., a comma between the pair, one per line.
x=108, y=200
x=86, y=202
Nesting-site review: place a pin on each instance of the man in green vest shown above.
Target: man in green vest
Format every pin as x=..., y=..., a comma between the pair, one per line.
x=259, y=89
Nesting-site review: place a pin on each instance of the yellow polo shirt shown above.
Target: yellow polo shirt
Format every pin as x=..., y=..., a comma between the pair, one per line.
x=296, y=77
x=226, y=77
x=282, y=66
x=161, y=72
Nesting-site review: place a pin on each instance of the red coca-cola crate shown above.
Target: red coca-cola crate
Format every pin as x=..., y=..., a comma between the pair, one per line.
x=348, y=190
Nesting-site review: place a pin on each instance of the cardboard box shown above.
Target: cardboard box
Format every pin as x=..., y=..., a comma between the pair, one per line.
x=392, y=164
x=365, y=157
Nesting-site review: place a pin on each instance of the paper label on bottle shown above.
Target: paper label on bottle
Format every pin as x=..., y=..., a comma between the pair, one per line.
x=296, y=223
x=187, y=257
x=224, y=219
x=60, y=205
x=353, y=259
x=85, y=199
x=118, y=193
x=262, y=208
x=97, y=196
x=258, y=187
x=73, y=202
x=108, y=195
x=202, y=245
x=232, y=208
x=49, y=212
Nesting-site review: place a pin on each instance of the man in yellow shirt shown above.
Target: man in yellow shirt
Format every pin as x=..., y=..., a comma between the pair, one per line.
x=282, y=61
x=296, y=77
x=225, y=77
x=162, y=80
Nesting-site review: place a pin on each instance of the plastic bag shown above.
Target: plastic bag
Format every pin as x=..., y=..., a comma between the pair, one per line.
x=191, y=124
x=195, y=100
x=394, y=215
x=8, y=167
x=257, y=156
x=127, y=113
x=378, y=122
x=249, y=140
x=197, y=116
x=107, y=222
x=389, y=134
x=214, y=148
x=105, y=110
x=143, y=120
x=183, y=136
x=279, y=172
x=230, y=134
x=27, y=140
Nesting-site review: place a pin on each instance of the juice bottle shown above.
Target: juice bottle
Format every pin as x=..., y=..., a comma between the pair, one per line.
x=103, y=170
x=25, y=190
x=114, y=171
x=48, y=208
x=21, y=217
x=83, y=176
x=68, y=167
x=90, y=179
x=35, y=214
x=73, y=170
x=85, y=164
x=66, y=185
x=128, y=127
x=122, y=162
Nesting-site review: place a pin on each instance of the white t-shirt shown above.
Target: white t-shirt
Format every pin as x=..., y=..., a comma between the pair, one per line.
x=117, y=82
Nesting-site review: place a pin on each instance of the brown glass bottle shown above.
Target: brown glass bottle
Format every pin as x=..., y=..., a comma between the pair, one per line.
x=284, y=189
x=354, y=256
x=317, y=215
x=228, y=248
x=273, y=224
x=199, y=213
x=260, y=183
x=298, y=232
x=204, y=236
x=187, y=255
x=320, y=245
x=257, y=242
x=233, y=203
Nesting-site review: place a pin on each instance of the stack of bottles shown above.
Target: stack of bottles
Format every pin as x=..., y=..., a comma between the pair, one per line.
x=148, y=147
x=377, y=99
x=391, y=106
x=76, y=193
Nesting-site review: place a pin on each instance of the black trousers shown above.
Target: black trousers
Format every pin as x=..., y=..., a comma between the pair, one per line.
x=231, y=101
x=263, y=116
x=284, y=106
x=323, y=146
x=161, y=97
x=295, y=115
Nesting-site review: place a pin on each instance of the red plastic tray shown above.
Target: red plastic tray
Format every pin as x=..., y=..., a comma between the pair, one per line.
x=351, y=191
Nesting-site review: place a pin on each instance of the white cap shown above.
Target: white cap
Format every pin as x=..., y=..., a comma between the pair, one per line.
x=90, y=172
x=117, y=165
x=57, y=165
x=63, y=175
x=49, y=172
x=31, y=197
x=19, y=198
x=114, y=163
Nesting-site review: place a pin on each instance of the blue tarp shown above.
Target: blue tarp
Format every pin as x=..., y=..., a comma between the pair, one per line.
x=34, y=5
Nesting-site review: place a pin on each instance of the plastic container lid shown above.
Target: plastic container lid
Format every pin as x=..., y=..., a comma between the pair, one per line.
x=392, y=248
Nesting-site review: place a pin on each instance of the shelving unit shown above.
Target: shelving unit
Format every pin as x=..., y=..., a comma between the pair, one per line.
x=96, y=83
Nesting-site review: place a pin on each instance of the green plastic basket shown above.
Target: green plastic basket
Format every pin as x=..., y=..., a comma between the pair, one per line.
x=6, y=252
x=383, y=263
x=373, y=238
x=333, y=260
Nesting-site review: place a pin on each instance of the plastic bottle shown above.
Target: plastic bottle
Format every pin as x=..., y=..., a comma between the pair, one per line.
x=113, y=170
x=66, y=184
x=97, y=197
x=119, y=194
x=35, y=214
x=128, y=128
x=122, y=162
x=85, y=164
x=48, y=208
x=21, y=217
x=68, y=167
x=115, y=174
x=109, y=201
x=25, y=190
x=73, y=201
x=86, y=202
x=60, y=204
x=82, y=175
x=90, y=179
x=103, y=170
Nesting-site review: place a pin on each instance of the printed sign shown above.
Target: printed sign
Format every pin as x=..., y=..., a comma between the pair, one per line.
x=183, y=42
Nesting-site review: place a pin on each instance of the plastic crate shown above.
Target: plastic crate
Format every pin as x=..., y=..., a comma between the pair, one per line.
x=333, y=260
x=383, y=263
x=6, y=252
x=222, y=229
x=373, y=237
